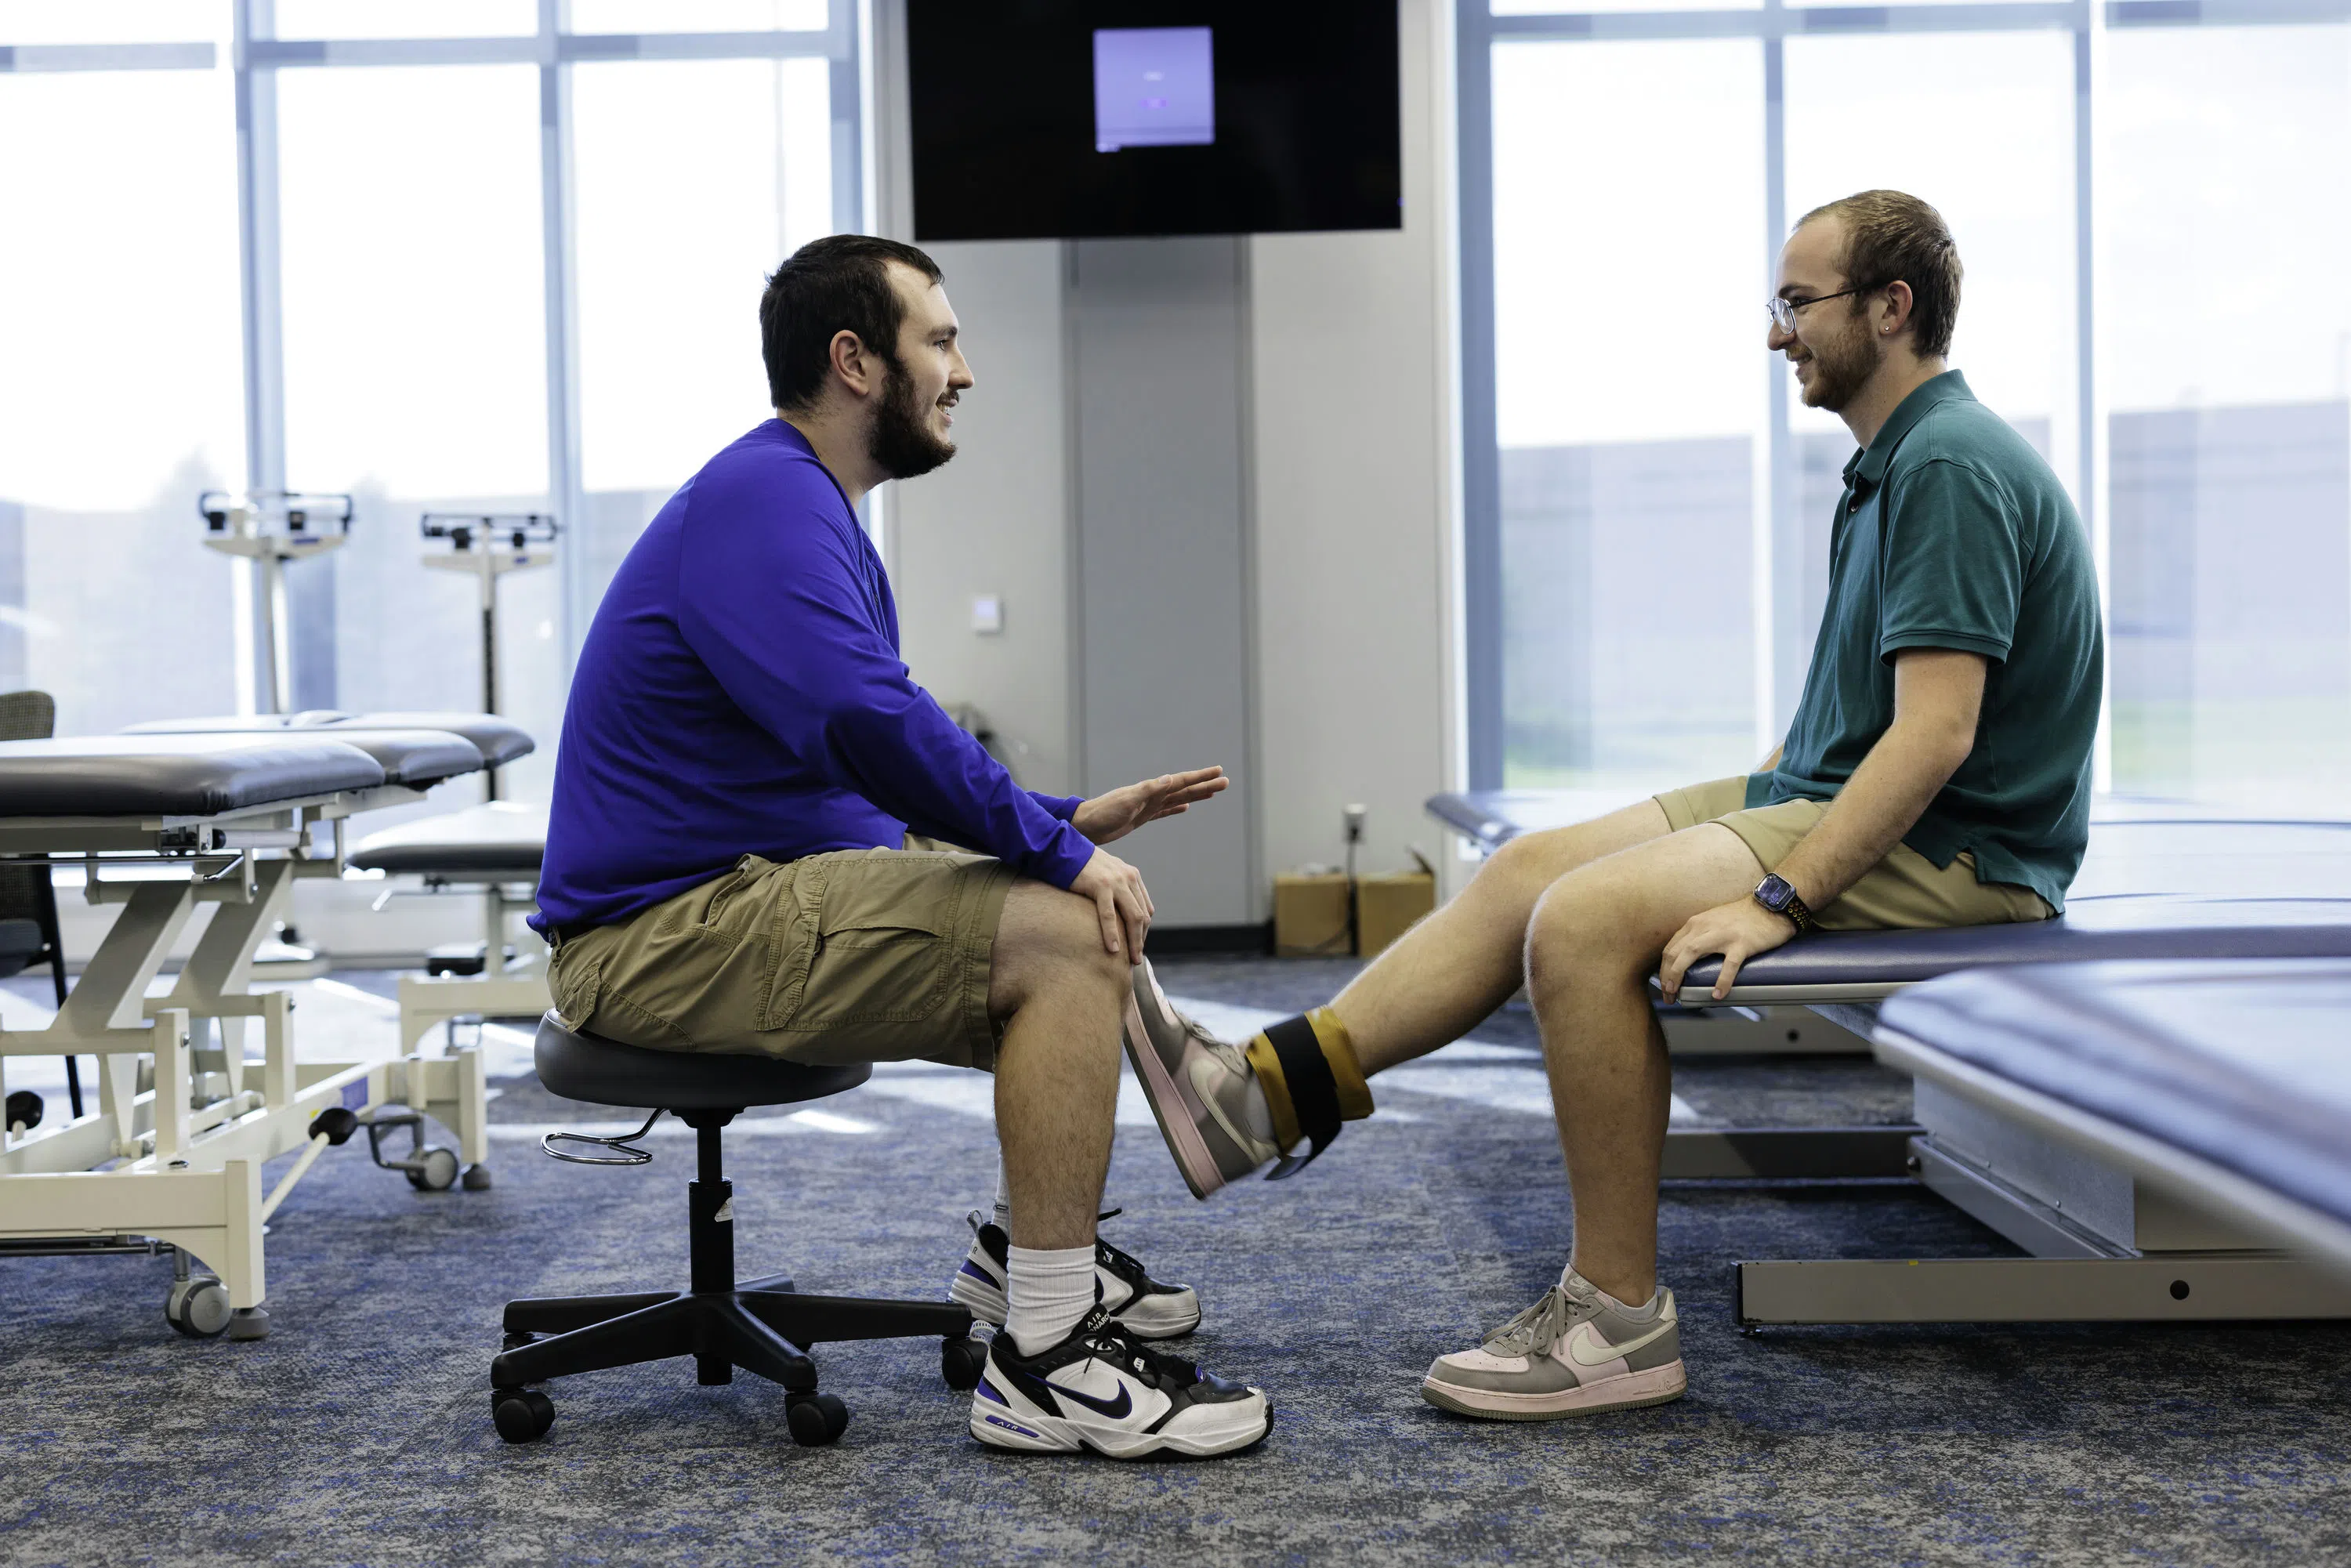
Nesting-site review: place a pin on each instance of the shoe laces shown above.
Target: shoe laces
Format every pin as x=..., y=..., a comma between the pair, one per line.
x=1108, y=1340
x=1537, y=1328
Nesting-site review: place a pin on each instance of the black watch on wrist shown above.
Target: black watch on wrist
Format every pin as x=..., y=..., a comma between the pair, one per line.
x=1774, y=894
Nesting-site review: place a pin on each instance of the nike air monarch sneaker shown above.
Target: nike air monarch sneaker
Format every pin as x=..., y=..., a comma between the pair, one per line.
x=1573, y=1353
x=1148, y=1309
x=1198, y=1088
x=1101, y=1389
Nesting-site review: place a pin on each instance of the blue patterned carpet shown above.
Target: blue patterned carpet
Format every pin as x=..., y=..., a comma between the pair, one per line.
x=359, y=1431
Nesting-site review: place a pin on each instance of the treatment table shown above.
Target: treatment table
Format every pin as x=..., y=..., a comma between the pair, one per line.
x=493, y=849
x=2052, y=1111
x=170, y=1159
x=2117, y=1226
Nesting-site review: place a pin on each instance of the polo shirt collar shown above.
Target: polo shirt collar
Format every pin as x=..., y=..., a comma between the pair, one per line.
x=1870, y=464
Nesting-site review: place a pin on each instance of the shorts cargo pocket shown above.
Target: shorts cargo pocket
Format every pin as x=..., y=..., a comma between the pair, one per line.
x=573, y=987
x=876, y=957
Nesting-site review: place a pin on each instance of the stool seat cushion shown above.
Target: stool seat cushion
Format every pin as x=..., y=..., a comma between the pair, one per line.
x=601, y=1071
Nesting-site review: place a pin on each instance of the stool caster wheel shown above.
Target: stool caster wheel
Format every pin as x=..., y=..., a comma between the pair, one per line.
x=439, y=1171
x=523, y=1415
x=961, y=1361
x=816, y=1419
x=197, y=1307
x=478, y=1178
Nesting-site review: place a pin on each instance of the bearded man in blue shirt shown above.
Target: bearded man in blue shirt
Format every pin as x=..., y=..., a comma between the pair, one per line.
x=737, y=861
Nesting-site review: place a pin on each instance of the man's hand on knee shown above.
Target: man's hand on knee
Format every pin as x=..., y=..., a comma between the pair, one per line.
x=1737, y=930
x=1120, y=899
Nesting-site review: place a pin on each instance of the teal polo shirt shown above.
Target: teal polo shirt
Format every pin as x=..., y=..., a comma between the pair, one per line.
x=1953, y=533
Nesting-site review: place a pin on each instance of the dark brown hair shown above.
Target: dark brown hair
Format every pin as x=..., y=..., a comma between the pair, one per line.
x=840, y=283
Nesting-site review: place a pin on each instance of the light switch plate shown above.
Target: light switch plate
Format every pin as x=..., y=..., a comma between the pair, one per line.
x=988, y=614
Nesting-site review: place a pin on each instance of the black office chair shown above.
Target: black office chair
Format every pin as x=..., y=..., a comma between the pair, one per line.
x=29, y=902
x=762, y=1327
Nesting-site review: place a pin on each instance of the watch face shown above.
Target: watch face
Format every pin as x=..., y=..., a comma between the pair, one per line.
x=1774, y=893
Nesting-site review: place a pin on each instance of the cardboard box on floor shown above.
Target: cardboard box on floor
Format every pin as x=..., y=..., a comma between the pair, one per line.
x=1310, y=914
x=1386, y=906
x=1310, y=910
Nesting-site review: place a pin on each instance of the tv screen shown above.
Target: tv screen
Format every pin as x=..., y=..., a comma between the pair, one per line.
x=1057, y=119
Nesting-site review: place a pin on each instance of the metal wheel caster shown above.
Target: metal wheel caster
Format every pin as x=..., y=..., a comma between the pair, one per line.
x=437, y=1169
x=478, y=1178
x=522, y=1415
x=197, y=1306
x=816, y=1419
x=961, y=1362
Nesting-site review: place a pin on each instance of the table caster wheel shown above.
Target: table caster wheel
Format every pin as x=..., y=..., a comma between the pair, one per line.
x=197, y=1307
x=961, y=1362
x=439, y=1173
x=816, y=1419
x=478, y=1178
x=522, y=1415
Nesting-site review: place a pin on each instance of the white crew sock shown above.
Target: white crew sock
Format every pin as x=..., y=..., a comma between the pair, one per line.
x=1003, y=1198
x=1050, y=1291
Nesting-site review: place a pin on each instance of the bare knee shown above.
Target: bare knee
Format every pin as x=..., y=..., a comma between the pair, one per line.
x=1050, y=941
x=1580, y=937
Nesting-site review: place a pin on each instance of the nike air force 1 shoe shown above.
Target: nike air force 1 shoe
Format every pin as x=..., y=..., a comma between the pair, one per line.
x=1572, y=1353
x=1199, y=1088
x=1101, y=1389
x=1148, y=1309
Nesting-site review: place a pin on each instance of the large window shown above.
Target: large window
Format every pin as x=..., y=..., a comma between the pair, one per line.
x=1629, y=432
x=118, y=398
x=2151, y=202
x=443, y=255
x=2229, y=202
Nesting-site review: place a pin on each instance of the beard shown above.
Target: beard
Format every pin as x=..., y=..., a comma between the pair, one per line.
x=1841, y=367
x=902, y=445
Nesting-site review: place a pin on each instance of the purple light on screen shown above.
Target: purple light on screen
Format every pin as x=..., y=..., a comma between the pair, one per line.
x=1153, y=87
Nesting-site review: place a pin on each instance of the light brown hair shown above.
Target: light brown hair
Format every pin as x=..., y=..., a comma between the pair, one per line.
x=1891, y=237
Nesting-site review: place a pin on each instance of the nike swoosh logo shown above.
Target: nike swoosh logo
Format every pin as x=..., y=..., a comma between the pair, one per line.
x=1116, y=1409
x=1601, y=1352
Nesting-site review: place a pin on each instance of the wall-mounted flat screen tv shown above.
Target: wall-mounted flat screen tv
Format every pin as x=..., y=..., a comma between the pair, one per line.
x=1089, y=119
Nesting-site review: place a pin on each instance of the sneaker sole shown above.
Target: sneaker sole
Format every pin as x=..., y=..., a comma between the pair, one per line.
x=1027, y=1434
x=1659, y=1386
x=1160, y=1089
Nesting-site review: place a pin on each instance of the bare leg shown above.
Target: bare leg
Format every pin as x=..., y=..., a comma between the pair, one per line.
x=1591, y=948
x=1059, y=996
x=1464, y=961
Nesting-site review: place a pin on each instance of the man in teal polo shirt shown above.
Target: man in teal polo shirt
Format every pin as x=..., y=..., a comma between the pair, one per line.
x=1937, y=773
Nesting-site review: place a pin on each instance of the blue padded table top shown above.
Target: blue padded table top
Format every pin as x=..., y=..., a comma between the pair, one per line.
x=174, y=775
x=498, y=741
x=2245, y=1064
x=499, y=838
x=1864, y=965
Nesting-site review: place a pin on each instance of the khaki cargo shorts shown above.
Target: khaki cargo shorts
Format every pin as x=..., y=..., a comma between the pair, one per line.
x=1904, y=891
x=862, y=956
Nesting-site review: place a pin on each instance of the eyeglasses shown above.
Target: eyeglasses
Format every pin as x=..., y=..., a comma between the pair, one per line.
x=1783, y=312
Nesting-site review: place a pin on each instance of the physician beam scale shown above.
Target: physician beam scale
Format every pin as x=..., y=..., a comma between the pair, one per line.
x=486, y=546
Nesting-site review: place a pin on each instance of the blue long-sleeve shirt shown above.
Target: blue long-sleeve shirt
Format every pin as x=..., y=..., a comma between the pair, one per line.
x=740, y=693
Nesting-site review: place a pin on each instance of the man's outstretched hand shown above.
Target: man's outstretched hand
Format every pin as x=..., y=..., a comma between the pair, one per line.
x=1108, y=818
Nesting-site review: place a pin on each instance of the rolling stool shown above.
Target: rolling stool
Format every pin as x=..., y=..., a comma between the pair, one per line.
x=762, y=1326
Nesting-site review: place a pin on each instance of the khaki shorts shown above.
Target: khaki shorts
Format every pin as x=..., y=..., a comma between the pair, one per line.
x=864, y=956
x=1905, y=889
